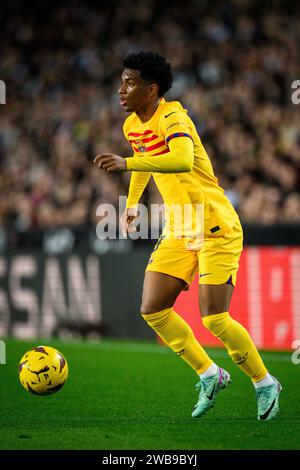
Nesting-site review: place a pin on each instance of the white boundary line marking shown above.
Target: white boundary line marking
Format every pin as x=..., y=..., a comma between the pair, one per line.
x=115, y=346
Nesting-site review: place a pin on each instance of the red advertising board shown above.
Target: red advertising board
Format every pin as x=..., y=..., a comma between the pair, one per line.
x=266, y=299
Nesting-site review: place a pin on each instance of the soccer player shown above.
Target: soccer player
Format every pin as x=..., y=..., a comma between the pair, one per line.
x=166, y=145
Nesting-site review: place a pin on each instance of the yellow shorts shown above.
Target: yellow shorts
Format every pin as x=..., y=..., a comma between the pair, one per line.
x=217, y=261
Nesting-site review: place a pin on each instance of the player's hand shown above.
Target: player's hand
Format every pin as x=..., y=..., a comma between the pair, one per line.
x=127, y=219
x=110, y=162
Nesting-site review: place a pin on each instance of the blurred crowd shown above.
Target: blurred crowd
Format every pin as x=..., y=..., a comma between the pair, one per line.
x=234, y=62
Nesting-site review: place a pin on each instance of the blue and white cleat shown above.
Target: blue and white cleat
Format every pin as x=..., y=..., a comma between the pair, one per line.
x=268, y=401
x=209, y=389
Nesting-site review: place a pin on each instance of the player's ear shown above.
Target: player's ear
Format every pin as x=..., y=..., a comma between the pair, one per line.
x=153, y=90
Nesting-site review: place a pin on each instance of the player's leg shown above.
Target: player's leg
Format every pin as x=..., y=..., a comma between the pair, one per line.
x=172, y=268
x=160, y=291
x=214, y=301
x=214, y=306
x=217, y=379
x=159, y=294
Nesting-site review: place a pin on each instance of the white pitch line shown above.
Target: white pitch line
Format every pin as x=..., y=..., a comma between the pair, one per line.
x=157, y=349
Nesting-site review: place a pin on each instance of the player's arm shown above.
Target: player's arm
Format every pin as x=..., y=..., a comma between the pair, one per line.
x=179, y=159
x=138, y=182
x=175, y=129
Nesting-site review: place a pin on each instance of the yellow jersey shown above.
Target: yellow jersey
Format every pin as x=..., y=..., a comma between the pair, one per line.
x=198, y=186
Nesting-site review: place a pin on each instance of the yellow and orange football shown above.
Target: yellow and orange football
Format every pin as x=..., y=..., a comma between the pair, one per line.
x=43, y=370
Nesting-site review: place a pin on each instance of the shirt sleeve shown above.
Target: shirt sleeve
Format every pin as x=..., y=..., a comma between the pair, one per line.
x=138, y=182
x=179, y=159
x=175, y=124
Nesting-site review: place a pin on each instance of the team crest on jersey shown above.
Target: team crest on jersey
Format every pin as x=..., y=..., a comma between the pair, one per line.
x=140, y=145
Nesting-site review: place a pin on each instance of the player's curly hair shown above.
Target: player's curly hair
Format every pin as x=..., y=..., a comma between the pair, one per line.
x=153, y=67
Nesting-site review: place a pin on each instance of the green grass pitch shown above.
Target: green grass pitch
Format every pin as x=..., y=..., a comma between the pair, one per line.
x=139, y=395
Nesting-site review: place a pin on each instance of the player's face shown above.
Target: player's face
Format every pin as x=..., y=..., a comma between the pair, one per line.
x=134, y=92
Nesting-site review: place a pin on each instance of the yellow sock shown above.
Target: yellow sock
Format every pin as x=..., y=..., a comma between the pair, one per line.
x=178, y=335
x=238, y=343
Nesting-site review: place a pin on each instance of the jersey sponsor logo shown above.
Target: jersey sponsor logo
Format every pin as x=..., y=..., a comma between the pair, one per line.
x=205, y=274
x=176, y=124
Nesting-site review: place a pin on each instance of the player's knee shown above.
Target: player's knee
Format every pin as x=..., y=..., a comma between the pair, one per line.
x=209, y=322
x=212, y=307
x=154, y=306
x=147, y=309
x=216, y=323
